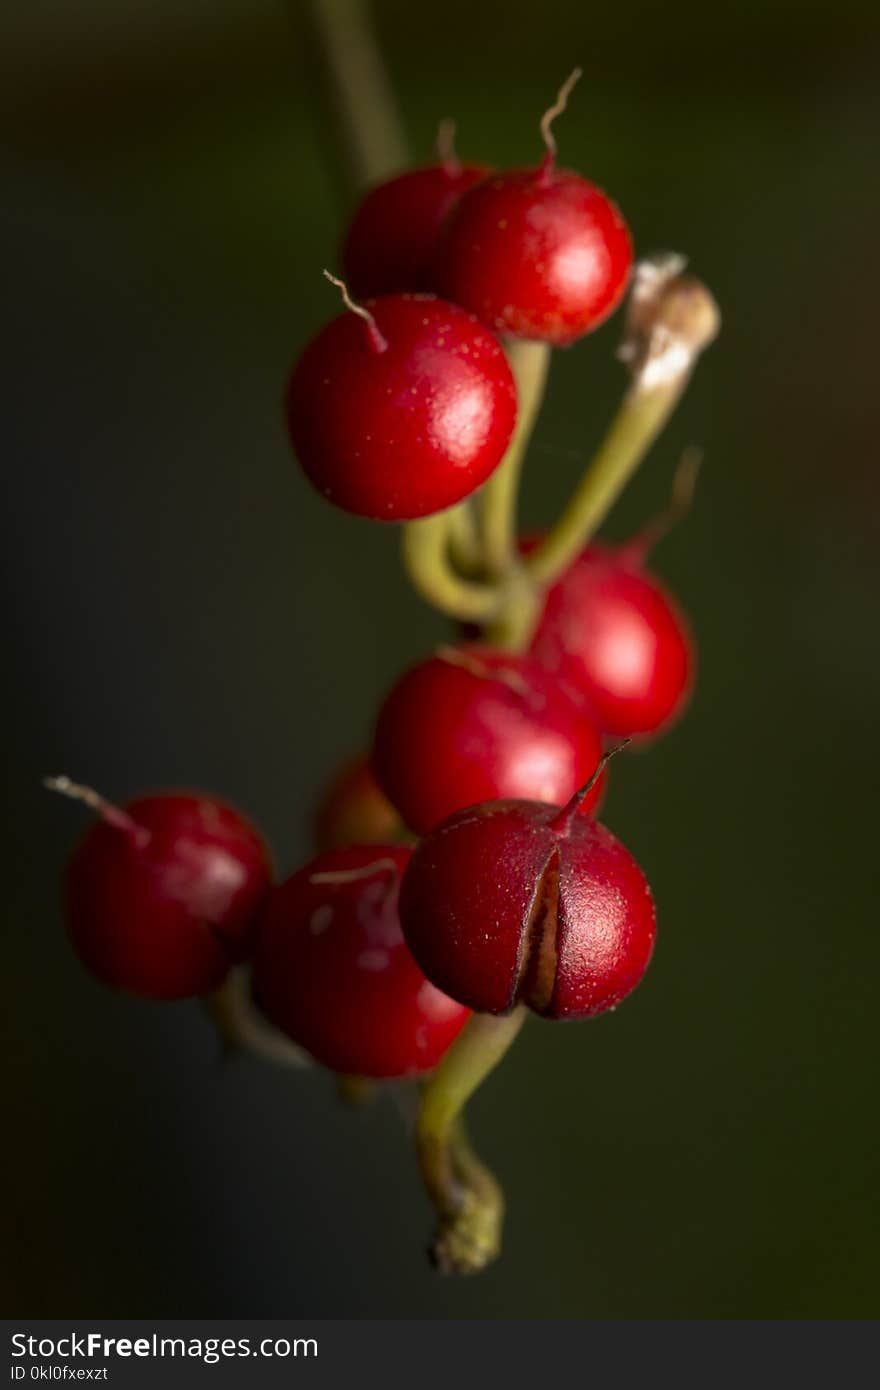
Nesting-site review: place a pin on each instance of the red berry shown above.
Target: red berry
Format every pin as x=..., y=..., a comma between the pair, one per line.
x=611, y=630
x=354, y=811
x=517, y=901
x=163, y=895
x=403, y=414
x=332, y=969
x=537, y=253
x=472, y=724
x=391, y=243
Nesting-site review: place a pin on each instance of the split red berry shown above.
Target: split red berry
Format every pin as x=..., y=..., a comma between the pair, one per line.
x=332, y=969
x=163, y=895
x=391, y=243
x=473, y=724
x=401, y=408
x=515, y=901
x=537, y=253
x=610, y=629
x=354, y=810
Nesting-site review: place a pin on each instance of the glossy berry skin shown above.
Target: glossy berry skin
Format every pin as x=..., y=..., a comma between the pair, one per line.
x=405, y=423
x=514, y=901
x=391, y=243
x=165, y=908
x=354, y=810
x=332, y=969
x=473, y=724
x=536, y=253
x=610, y=629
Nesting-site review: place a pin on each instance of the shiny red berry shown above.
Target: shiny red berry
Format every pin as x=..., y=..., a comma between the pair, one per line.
x=354, y=810
x=162, y=895
x=536, y=253
x=473, y=724
x=391, y=243
x=610, y=629
x=515, y=901
x=402, y=408
x=332, y=969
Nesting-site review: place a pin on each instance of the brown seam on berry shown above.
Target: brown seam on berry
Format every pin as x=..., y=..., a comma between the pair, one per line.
x=537, y=961
x=543, y=956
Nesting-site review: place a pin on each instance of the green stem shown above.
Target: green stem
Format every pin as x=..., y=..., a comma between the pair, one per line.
x=671, y=318
x=641, y=417
x=426, y=559
x=466, y=1197
x=518, y=611
x=240, y=1028
x=530, y=363
x=464, y=540
x=363, y=102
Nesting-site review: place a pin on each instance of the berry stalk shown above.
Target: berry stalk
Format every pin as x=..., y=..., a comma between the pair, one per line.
x=530, y=362
x=671, y=318
x=442, y=552
x=467, y=1199
x=362, y=99
x=240, y=1028
x=465, y=550
x=427, y=561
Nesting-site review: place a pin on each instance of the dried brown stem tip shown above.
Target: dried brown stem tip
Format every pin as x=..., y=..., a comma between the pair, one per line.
x=557, y=109
x=377, y=338
x=671, y=318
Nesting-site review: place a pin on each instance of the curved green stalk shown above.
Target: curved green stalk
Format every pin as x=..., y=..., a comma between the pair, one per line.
x=530, y=363
x=467, y=1199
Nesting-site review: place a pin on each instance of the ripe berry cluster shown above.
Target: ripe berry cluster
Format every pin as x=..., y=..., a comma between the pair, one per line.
x=459, y=866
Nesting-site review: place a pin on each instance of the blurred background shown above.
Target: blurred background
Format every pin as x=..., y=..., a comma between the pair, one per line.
x=184, y=610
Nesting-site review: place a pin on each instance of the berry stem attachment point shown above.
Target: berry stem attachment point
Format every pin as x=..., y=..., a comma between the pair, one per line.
x=552, y=112
x=466, y=1197
x=112, y=815
x=561, y=824
x=378, y=341
x=671, y=318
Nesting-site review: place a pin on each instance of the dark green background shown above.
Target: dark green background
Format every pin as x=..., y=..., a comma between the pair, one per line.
x=185, y=610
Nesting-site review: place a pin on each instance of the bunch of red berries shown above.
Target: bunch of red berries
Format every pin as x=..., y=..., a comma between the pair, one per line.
x=459, y=865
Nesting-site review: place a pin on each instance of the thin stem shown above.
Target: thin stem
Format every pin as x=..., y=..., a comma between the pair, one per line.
x=426, y=559
x=530, y=363
x=111, y=814
x=476, y=1179
x=559, y=105
x=241, y=1028
x=378, y=341
x=468, y=1214
x=633, y=430
x=671, y=319
x=362, y=97
x=518, y=612
x=684, y=483
x=464, y=539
